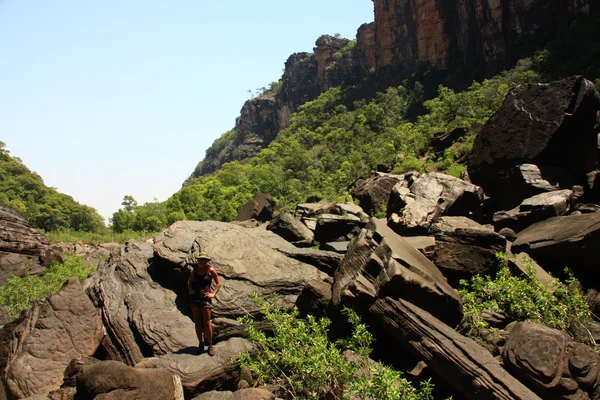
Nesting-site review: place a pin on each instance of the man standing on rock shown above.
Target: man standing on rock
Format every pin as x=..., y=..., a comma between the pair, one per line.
x=199, y=287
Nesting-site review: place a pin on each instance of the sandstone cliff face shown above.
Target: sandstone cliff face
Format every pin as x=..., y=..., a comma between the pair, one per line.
x=483, y=37
x=306, y=75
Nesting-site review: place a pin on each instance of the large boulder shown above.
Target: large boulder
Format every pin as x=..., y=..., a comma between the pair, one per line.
x=242, y=394
x=467, y=367
x=260, y=209
x=567, y=241
x=112, y=380
x=203, y=373
x=553, y=124
x=247, y=260
x=22, y=247
x=464, y=248
x=373, y=193
x=412, y=208
x=337, y=228
x=291, y=229
x=142, y=318
x=551, y=363
x=381, y=263
x=62, y=327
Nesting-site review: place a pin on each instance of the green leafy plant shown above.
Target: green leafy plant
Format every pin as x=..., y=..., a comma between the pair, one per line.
x=559, y=305
x=300, y=358
x=19, y=293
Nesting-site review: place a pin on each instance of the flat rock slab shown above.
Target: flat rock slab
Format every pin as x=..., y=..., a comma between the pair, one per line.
x=201, y=373
x=467, y=367
x=62, y=327
x=568, y=241
x=291, y=229
x=242, y=394
x=248, y=261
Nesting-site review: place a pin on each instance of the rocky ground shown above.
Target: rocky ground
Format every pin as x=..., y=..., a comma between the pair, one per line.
x=532, y=187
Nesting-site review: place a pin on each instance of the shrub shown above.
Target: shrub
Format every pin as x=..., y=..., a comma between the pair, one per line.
x=556, y=304
x=19, y=293
x=300, y=359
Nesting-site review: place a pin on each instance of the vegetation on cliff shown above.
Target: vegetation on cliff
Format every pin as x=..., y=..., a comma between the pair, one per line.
x=44, y=207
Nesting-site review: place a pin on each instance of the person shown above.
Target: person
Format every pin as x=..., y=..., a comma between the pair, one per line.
x=199, y=287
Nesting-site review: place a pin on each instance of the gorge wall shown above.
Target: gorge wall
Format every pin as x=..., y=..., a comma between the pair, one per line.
x=458, y=40
x=469, y=39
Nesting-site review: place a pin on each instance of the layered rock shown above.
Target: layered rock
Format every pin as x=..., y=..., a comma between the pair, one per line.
x=373, y=193
x=22, y=247
x=485, y=36
x=63, y=327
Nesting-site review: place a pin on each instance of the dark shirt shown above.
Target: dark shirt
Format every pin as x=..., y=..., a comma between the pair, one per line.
x=202, y=283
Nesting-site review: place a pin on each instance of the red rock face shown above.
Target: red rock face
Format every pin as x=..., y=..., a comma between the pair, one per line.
x=483, y=36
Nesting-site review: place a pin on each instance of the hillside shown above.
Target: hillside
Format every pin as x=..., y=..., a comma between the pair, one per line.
x=44, y=207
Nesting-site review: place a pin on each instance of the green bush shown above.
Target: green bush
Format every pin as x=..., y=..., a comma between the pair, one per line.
x=19, y=293
x=300, y=359
x=556, y=304
x=70, y=235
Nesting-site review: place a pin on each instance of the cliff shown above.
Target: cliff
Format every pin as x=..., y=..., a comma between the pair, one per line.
x=306, y=75
x=468, y=39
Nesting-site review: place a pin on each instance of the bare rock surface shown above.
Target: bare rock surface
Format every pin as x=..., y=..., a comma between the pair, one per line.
x=242, y=394
x=464, y=248
x=381, y=263
x=412, y=208
x=260, y=209
x=291, y=229
x=200, y=373
x=564, y=241
x=535, y=209
x=22, y=247
x=62, y=327
x=551, y=363
x=141, y=317
x=373, y=193
x=113, y=380
x=464, y=365
x=248, y=261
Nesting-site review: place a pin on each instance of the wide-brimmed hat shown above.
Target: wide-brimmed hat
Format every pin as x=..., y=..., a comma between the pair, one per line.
x=202, y=256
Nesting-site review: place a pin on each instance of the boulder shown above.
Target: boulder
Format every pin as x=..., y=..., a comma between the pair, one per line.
x=337, y=247
x=247, y=260
x=534, y=209
x=464, y=248
x=425, y=244
x=382, y=264
x=313, y=210
x=549, y=125
x=412, y=209
x=141, y=317
x=464, y=365
x=203, y=373
x=522, y=265
x=260, y=209
x=443, y=140
x=315, y=299
x=113, y=380
x=567, y=241
x=551, y=363
x=91, y=254
x=337, y=228
x=373, y=193
x=22, y=247
x=291, y=229
x=62, y=327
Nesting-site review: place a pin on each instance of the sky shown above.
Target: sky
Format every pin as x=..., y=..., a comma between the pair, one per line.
x=107, y=98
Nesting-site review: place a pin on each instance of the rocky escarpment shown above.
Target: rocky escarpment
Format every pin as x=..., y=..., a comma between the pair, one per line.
x=486, y=36
x=306, y=75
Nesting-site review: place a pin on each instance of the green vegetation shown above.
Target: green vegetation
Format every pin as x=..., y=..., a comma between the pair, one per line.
x=95, y=238
x=20, y=293
x=558, y=305
x=44, y=207
x=301, y=360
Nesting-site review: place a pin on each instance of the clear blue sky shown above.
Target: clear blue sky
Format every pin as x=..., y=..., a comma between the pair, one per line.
x=106, y=98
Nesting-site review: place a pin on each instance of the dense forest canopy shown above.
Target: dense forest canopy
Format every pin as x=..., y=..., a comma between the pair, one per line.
x=44, y=207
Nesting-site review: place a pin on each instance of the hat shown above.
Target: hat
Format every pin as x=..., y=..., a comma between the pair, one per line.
x=202, y=256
